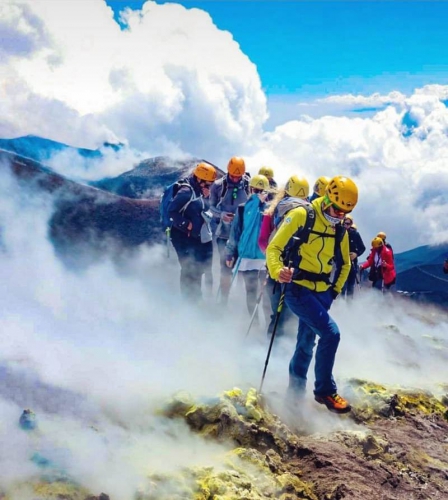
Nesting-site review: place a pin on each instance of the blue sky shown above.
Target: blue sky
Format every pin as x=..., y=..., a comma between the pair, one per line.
x=321, y=48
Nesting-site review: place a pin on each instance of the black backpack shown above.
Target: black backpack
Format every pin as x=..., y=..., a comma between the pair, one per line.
x=291, y=256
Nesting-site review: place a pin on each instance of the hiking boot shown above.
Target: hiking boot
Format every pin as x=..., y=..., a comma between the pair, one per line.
x=334, y=403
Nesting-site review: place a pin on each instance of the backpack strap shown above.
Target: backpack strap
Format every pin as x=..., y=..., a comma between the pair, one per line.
x=225, y=188
x=241, y=217
x=180, y=184
x=302, y=236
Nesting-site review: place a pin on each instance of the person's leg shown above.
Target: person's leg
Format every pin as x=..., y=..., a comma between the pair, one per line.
x=190, y=278
x=378, y=285
x=300, y=362
x=226, y=273
x=204, y=260
x=350, y=283
x=273, y=293
x=312, y=309
x=251, y=285
x=264, y=290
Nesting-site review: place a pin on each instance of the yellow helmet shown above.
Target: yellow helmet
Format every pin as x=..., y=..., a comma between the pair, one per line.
x=205, y=172
x=259, y=182
x=382, y=235
x=236, y=166
x=342, y=192
x=267, y=172
x=297, y=187
x=377, y=242
x=320, y=185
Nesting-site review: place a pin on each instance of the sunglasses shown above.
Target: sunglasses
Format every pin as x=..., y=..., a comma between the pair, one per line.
x=339, y=212
x=347, y=223
x=206, y=184
x=258, y=191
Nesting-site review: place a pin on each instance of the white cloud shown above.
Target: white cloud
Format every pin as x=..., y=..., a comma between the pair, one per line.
x=397, y=157
x=170, y=80
x=360, y=101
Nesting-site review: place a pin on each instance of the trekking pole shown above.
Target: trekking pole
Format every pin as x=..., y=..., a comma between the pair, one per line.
x=260, y=295
x=168, y=235
x=271, y=343
x=277, y=316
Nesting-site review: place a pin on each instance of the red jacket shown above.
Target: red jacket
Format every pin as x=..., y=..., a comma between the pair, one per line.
x=385, y=260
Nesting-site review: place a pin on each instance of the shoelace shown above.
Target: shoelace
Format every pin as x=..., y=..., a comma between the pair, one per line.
x=337, y=398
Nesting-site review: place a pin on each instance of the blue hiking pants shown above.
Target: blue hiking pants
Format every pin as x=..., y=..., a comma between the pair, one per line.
x=312, y=309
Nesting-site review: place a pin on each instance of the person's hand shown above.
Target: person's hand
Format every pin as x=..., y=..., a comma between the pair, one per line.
x=205, y=192
x=263, y=196
x=384, y=264
x=230, y=262
x=353, y=255
x=190, y=226
x=227, y=217
x=285, y=275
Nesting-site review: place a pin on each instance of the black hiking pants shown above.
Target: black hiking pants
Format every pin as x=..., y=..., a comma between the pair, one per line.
x=195, y=259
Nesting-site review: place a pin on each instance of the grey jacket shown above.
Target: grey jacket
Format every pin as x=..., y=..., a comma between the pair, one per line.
x=234, y=195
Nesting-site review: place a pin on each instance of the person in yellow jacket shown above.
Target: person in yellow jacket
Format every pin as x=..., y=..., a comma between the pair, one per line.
x=309, y=292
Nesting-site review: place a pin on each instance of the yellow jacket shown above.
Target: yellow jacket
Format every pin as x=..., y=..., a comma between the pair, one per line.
x=316, y=255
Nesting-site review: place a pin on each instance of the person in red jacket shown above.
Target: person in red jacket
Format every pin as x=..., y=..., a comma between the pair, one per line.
x=381, y=263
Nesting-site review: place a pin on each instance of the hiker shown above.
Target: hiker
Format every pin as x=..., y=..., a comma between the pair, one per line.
x=383, y=236
x=242, y=250
x=295, y=191
x=191, y=233
x=269, y=173
x=305, y=272
x=225, y=196
x=319, y=187
x=381, y=263
x=445, y=266
x=357, y=248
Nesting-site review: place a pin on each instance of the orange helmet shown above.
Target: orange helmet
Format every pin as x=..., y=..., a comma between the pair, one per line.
x=205, y=172
x=236, y=166
x=377, y=242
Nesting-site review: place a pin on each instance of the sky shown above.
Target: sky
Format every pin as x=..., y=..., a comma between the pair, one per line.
x=321, y=48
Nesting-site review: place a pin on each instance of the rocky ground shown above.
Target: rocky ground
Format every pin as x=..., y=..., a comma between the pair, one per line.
x=393, y=445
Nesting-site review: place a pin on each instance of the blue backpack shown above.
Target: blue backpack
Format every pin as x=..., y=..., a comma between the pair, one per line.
x=167, y=197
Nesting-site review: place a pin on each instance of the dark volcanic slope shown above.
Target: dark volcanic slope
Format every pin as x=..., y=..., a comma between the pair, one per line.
x=86, y=216
x=150, y=177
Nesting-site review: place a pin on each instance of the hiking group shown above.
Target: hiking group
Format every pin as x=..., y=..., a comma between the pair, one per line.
x=289, y=247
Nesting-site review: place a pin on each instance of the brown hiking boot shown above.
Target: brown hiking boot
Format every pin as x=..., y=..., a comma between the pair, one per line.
x=334, y=403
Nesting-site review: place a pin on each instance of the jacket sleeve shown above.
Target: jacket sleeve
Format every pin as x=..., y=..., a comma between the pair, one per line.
x=175, y=211
x=387, y=261
x=265, y=232
x=346, y=263
x=234, y=238
x=369, y=262
x=215, y=196
x=296, y=219
x=360, y=247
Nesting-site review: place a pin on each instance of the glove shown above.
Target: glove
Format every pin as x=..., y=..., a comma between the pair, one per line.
x=334, y=293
